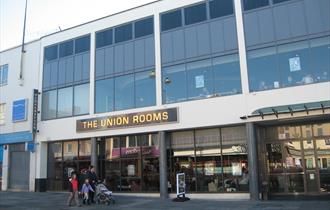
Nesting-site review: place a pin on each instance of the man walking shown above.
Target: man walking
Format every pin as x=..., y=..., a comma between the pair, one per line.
x=93, y=179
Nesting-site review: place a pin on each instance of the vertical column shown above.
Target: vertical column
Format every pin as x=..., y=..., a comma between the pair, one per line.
x=162, y=166
x=158, y=64
x=94, y=158
x=41, y=167
x=241, y=46
x=5, y=168
x=253, y=161
x=91, y=74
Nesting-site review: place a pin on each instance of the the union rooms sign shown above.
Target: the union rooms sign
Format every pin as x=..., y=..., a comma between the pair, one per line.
x=128, y=120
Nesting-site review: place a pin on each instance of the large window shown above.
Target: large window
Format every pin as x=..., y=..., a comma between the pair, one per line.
x=202, y=79
x=195, y=14
x=81, y=99
x=51, y=53
x=320, y=59
x=171, y=20
x=144, y=27
x=219, y=8
x=123, y=33
x=66, y=48
x=213, y=160
x=3, y=75
x=104, y=95
x=82, y=44
x=145, y=87
x=104, y=38
x=124, y=92
x=49, y=104
x=253, y=4
x=64, y=102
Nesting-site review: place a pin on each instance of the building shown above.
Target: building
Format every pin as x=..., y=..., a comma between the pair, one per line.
x=235, y=94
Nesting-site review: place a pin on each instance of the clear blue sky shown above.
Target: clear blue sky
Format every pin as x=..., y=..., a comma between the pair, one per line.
x=45, y=16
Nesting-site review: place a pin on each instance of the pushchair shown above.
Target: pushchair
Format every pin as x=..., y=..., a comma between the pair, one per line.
x=103, y=195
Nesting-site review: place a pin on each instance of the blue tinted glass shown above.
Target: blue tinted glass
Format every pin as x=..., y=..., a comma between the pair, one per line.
x=104, y=38
x=219, y=8
x=49, y=101
x=51, y=53
x=294, y=64
x=145, y=89
x=104, y=95
x=66, y=48
x=171, y=20
x=123, y=33
x=253, y=4
x=262, y=69
x=64, y=102
x=199, y=79
x=195, y=14
x=227, y=76
x=82, y=44
x=81, y=99
x=279, y=1
x=124, y=92
x=320, y=59
x=4, y=75
x=144, y=27
x=174, y=84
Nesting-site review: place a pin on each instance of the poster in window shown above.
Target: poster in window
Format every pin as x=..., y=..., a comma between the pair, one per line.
x=209, y=168
x=294, y=64
x=236, y=169
x=131, y=170
x=199, y=81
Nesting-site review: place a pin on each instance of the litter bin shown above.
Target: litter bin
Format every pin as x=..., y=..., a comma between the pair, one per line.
x=265, y=190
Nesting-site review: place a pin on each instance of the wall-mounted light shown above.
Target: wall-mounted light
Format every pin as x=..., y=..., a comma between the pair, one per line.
x=152, y=74
x=167, y=80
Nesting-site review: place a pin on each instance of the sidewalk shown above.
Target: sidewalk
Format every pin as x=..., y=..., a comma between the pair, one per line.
x=56, y=201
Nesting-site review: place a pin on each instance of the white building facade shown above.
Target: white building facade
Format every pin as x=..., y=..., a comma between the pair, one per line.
x=234, y=94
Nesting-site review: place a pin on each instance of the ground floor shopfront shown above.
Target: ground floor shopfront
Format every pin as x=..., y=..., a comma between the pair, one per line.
x=290, y=158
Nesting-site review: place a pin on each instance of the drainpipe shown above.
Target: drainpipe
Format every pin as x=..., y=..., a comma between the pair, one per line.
x=21, y=79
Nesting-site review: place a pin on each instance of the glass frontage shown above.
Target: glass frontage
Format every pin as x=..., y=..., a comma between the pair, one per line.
x=297, y=158
x=64, y=158
x=213, y=160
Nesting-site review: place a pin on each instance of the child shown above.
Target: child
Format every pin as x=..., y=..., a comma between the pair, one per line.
x=73, y=187
x=85, y=190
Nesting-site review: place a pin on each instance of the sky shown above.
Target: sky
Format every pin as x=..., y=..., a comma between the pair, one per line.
x=46, y=16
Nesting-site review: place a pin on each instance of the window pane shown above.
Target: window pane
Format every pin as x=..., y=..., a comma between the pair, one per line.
x=294, y=64
x=263, y=71
x=70, y=150
x=104, y=38
x=64, y=103
x=199, y=79
x=51, y=53
x=124, y=92
x=320, y=59
x=219, y=8
x=253, y=4
x=171, y=20
x=104, y=95
x=85, y=148
x=66, y=48
x=81, y=99
x=227, y=75
x=195, y=14
x=49, y=101
x=279, y=1
x=174, y=84
x=123, y=33
x=145, y=89
x=4, y=74
x=144, y=27
x=82, y=44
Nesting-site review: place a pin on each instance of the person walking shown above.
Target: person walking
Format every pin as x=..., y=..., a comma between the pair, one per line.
x=86, y=188
x=74, y=192
x=91, y=175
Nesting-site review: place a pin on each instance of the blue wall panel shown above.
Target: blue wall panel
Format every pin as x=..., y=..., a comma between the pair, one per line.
x=99, y=63
x=325, y=11
x=266, y=26
x=178, y=45
x=282, y=22
x=86, y=66
x=230, y=35
x=119, y=58
x=203, y=39
x=53, y=74
x=109, y=61
x=297, y=19
x=251, y=28
x=217, y=37
x=166, y=47
x=129, y=59
x=190, y=36
x=69, y=70
x=78, y=66
x=46, y=75
x=313, y=14
x=138, y=55
x=61, y=72
x=149, y=44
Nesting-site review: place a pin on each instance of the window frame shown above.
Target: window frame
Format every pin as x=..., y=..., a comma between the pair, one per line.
x=4, y=74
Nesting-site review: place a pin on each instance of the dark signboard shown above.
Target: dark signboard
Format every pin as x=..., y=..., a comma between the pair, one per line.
x=180, y=184
x=128, y=120
x=35, y=112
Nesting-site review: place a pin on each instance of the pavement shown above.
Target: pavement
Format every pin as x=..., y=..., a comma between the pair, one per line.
x=57, y=200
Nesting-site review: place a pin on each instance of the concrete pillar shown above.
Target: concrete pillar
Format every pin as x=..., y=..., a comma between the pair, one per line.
x=94, y=158
x=162, y=166
x=41, y=157
x=252, y=161
x=5, y=168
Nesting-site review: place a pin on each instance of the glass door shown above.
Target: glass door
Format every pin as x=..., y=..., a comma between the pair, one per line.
x=312, y=180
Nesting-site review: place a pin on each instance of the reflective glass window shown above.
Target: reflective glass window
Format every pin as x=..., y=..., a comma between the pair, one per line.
x=263, y=71
x=123, y=33
x=104, y=95
x=171, y=20
x=64, y=102
x=124, y=92
x=279, y=1
x=294, y=64
x=51, y=53
x=195, y=14
x=49, y=101
x=320, y=59
x=174, y=84
x=227, y=75
x=3, y=74
x=219, y=8
x=104, y=38
x=66, y=48
x=145, y=89
x=70, y=150
x=85, y=148
x=253, y=4
x=82, y=44
x=199, y=79
x=81, y=99
x=144, y=27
